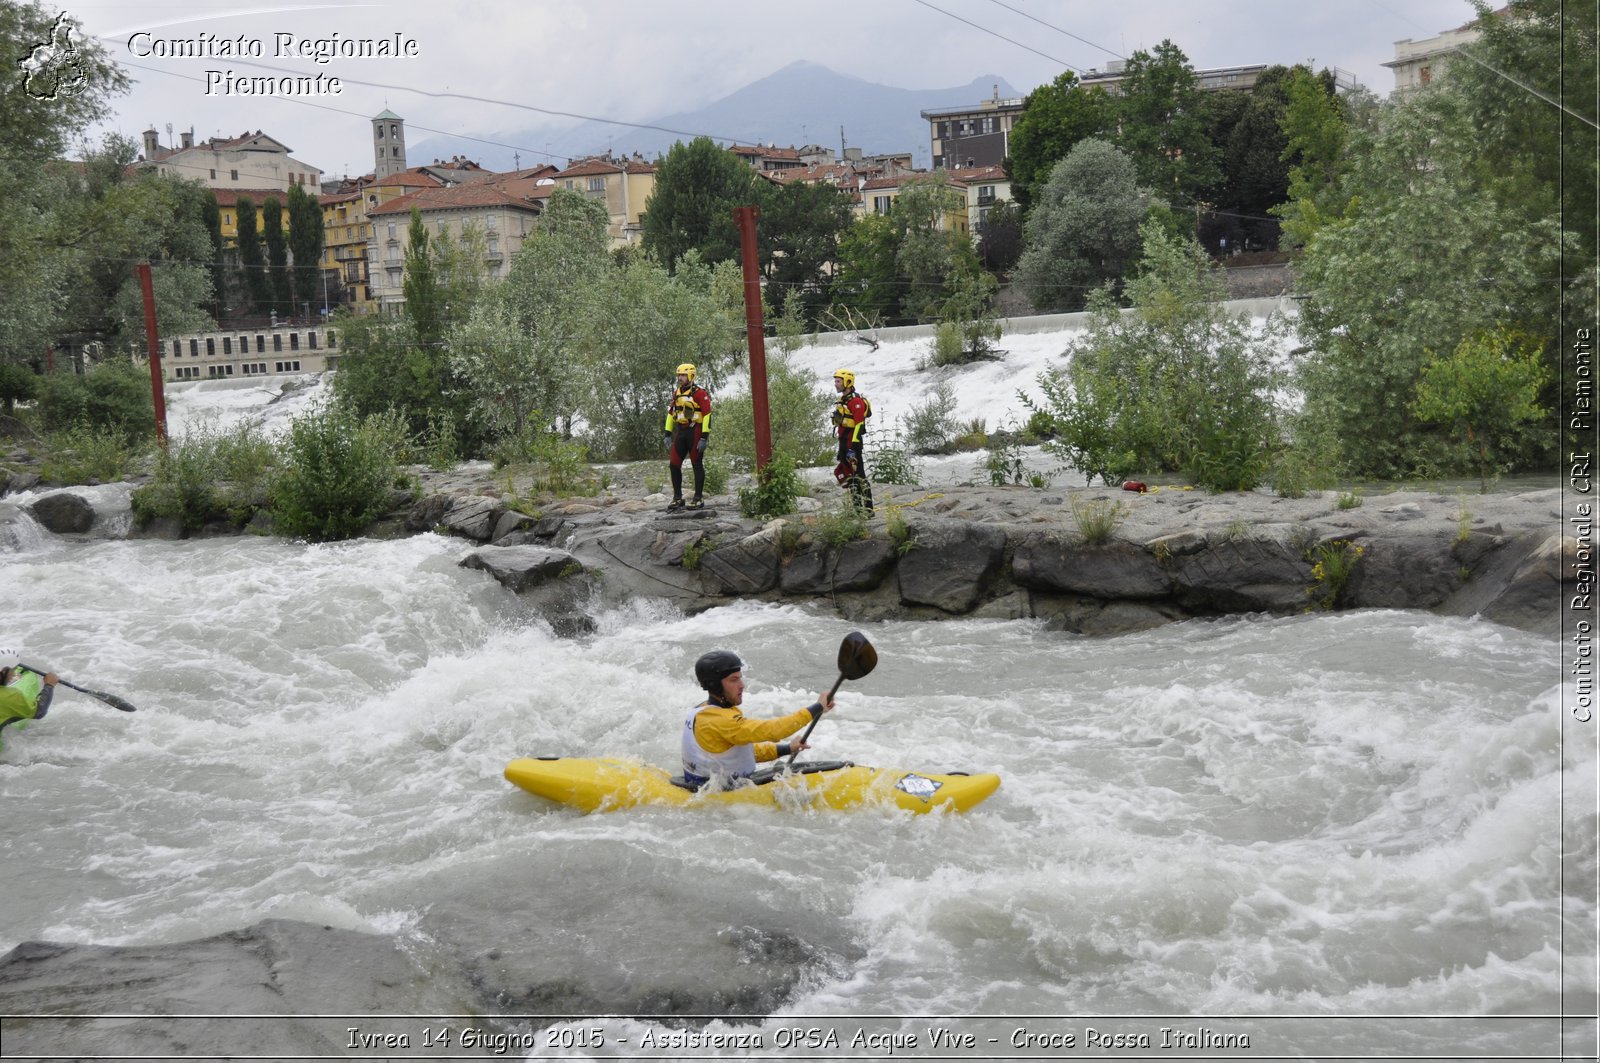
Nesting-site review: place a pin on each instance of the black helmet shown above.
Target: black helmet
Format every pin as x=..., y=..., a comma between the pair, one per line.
x=712, y=668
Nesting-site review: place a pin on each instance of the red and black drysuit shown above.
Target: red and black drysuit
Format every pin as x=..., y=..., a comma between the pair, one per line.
x=849, y=419
x=689, y=427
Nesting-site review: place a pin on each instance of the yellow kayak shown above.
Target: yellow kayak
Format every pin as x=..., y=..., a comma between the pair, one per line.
x=606, y=785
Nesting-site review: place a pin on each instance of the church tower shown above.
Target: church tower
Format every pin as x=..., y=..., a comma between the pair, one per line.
x=388, y=144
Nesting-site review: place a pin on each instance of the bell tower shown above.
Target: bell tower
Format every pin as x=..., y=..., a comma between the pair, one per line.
x=388, y=144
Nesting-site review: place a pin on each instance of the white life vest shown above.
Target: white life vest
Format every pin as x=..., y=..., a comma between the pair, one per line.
x=735, y=762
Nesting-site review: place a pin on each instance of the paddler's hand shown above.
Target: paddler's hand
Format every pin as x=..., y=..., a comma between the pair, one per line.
x=799, y=745
x=50, y=679
x=825, y=699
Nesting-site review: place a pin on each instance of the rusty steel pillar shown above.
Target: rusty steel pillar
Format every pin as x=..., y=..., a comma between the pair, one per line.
x=755, y=326
x=157, y=389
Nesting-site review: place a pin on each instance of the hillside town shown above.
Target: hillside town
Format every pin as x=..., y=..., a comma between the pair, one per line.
x=365, y=218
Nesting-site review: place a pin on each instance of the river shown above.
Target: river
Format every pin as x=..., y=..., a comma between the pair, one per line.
x=1305, y=829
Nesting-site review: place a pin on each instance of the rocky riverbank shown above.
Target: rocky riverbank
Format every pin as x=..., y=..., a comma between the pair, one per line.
x=1091, y=560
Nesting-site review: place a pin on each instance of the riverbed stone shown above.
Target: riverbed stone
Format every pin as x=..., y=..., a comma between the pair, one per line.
x=473, y=517
x=261, y=986
x=63, y=513
x=951, y=564
x=1112, y=570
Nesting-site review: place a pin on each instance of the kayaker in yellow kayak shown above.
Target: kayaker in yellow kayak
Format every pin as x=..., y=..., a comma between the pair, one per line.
x=719, y=744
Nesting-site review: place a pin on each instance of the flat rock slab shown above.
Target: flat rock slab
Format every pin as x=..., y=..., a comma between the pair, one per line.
x=275, y=968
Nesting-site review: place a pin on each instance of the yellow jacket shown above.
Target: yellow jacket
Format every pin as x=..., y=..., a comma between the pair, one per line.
x=720, y=729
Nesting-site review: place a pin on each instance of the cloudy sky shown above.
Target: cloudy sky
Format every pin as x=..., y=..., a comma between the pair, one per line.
x=493, y=67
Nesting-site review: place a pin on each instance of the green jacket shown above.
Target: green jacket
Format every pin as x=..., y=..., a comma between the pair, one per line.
x=20, y=699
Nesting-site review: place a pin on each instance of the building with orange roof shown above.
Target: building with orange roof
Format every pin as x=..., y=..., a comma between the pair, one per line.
x=453, y=212
x=623, y=185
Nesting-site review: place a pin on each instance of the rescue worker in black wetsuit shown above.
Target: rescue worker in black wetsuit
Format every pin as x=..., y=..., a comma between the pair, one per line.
x=688, y=431
x=849, y=421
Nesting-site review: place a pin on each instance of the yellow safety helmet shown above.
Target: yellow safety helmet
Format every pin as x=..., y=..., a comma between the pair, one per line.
x=686, y=369
x=848, y=377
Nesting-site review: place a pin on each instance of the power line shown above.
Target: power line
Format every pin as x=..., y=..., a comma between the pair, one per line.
x=1003, y=37
x=1058, y=29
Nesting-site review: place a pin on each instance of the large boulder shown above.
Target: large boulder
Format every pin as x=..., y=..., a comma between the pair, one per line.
x=952, y=563
x=521, y=568
x=472, y=516
x=1264, y=570
x=552, y=582
x=262, y=987
x=63, y=513
x=858, y=565
x=1044, y=561
x=747, y=566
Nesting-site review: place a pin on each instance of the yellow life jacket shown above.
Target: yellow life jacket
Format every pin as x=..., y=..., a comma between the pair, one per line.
x=684, y=410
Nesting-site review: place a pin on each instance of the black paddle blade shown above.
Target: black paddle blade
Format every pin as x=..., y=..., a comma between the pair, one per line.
x=110, y=699
x=856, y=656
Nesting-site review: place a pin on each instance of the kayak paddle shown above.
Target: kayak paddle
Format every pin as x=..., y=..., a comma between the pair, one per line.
x=856, y=659
x=127, y=706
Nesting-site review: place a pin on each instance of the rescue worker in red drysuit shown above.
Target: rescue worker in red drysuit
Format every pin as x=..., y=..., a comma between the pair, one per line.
x=688, y=430
x=849, y=421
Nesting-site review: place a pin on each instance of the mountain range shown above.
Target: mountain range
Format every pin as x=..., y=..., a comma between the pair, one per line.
x=802, y=103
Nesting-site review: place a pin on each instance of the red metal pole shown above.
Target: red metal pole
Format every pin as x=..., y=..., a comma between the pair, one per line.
x=157, y=388
x=754, y=327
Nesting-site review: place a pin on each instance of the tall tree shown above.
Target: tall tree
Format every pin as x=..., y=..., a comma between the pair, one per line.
x=211, y=217
x=251, y=262
x=1161, y=125
x=306, y=243
x=48, y=102
x=1083, y=231
x=1055, y=118
x=935, y=254
x=272, y=227
x=518, y=350
x=691, y=206
x=424, y=304
x=1442, y=241
x=799, y=234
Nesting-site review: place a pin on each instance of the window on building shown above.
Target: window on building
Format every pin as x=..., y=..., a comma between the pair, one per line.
x=394, y=130
x=294, y=341
x=194, y=348
x=227, y=219
x=177, y=348
x=1425, y=75
x=491, y=223
x=597, y=184
x=244, y=344
x=379, y=130
x=392, y=231
x=494, y=244
x=233, y=175
x=333, y=341
x=261, y=342
x=311, y=340
x=227, y=345
x=277, y=341
x=213, y=175
x=881, y=204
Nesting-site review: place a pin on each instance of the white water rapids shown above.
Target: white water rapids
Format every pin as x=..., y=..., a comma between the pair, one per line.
x=1309, y=819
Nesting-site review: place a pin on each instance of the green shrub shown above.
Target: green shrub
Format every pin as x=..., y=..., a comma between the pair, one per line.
x=1097, y=518
x=207, y=472
x=80, y=454
x=114, y=395
x=1332, y=565
x=929, y=426
x=337, y=473
x=889, y=460
x=843, y=523
x=774, y=492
